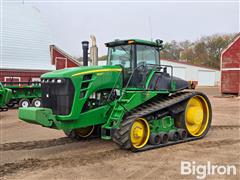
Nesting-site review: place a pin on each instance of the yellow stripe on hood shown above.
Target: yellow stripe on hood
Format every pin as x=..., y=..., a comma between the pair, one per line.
x=97, y=71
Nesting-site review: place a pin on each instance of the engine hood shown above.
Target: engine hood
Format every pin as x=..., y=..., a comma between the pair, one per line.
x=77, y=71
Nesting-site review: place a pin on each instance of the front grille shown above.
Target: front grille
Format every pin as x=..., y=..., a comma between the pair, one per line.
x=57, y=94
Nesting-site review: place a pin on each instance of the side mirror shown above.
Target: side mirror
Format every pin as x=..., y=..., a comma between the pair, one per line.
x=159, y=41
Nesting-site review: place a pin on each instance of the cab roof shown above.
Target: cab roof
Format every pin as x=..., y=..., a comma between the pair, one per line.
x=132, y=41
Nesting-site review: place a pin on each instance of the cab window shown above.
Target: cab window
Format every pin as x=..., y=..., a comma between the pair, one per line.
x=147, y=54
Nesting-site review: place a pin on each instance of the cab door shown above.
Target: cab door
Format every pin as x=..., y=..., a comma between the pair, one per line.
x=145, y=59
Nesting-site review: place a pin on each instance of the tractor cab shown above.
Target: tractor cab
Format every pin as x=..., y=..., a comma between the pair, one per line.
x=140, y=61
x=132, y=53
x=136, y=57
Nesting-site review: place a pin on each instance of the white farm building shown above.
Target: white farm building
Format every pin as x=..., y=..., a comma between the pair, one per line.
x=203, y=75
x=26, y=37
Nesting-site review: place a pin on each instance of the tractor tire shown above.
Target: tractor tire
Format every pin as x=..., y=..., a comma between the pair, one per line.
x=24, y=103
x=11, y=104
x=36, y=102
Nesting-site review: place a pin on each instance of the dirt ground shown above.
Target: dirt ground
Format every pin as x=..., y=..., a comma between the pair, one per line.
x=33, y=152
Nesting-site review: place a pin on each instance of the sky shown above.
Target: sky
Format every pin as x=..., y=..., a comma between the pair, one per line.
x=72, y=22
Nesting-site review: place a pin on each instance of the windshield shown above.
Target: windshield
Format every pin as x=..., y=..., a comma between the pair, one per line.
x=120, y=55
x=123, y=55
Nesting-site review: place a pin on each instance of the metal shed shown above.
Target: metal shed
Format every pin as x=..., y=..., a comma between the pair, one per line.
x=25, y=43
x=230, y=68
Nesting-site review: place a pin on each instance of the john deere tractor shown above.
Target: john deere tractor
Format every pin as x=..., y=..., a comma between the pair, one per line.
x=133, y=100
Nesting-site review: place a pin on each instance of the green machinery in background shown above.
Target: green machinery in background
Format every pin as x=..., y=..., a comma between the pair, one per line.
x=24, y=94
x=134, y=100
x=5, y=97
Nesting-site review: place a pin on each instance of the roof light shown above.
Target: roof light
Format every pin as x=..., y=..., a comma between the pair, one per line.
x=131, y=42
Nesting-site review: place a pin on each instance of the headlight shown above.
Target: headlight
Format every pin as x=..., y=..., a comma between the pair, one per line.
x=53, y=80
x=59, y=81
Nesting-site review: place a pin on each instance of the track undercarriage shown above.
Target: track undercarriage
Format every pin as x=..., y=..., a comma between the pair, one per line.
x=173, y=108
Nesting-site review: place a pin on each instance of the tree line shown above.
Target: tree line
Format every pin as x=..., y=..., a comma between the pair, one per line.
x=204, y=51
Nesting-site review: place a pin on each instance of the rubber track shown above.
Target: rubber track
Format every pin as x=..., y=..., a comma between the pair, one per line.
x=121, y=135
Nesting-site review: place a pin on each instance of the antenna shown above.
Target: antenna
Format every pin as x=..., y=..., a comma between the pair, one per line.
x=150, y=26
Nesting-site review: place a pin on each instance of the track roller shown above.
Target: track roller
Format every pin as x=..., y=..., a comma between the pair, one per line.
x=164, y=138
x=182, y=134
x=155, y=139
x=173, y=135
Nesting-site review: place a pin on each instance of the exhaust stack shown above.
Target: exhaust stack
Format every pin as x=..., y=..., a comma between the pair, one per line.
x=85, y=47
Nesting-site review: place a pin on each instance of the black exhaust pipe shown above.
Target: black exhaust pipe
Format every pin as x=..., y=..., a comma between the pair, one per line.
x=85, y=47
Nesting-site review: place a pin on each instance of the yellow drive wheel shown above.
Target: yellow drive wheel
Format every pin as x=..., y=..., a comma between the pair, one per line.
x=139, y=133
x=84, y=132
x=197, y=115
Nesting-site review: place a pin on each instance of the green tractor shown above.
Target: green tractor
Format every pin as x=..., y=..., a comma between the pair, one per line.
x=134, y=100
x=5, y=97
